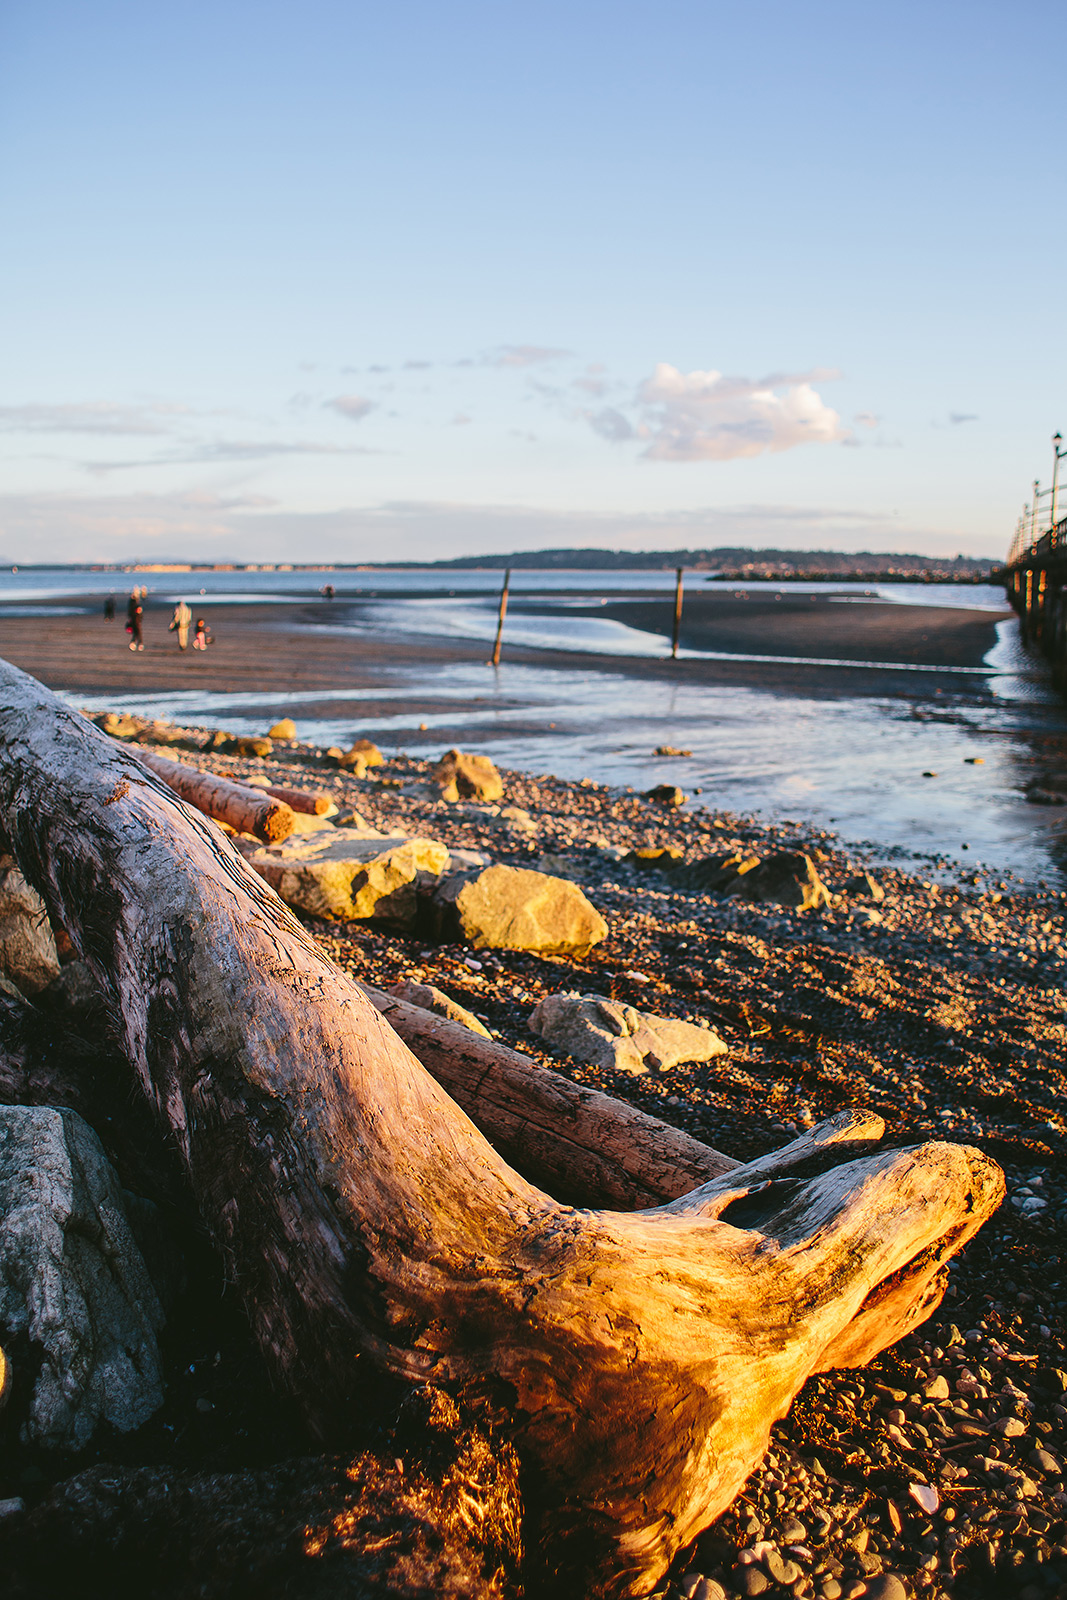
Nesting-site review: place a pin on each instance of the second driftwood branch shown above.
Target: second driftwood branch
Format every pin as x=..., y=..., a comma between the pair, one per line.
x=245, y=810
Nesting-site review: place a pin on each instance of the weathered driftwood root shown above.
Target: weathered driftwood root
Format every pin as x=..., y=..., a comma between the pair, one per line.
x=638, y=1359
x=584, y=1146
x=244, y=809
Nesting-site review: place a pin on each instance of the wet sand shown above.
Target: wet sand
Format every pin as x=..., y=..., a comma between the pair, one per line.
x=840, y=626
x=310, y=647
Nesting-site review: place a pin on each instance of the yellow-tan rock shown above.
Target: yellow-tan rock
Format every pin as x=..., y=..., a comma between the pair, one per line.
x=350, y=873
x=467, y=777
x=429, y=998
x=28, y=956
x=512, y=908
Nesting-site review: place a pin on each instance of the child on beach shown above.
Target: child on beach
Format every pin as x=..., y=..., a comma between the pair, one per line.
x=202, y=638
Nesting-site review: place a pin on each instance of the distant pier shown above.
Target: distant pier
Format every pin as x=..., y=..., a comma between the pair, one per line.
x=1035, y=576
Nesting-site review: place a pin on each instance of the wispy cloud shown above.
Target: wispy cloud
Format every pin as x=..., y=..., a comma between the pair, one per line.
x=867, y=419
x=525, y=355
x=95, y=416
x=352, y=406
x=222, y=450
x=956, y=417
x=704, y=416
x=611, y=424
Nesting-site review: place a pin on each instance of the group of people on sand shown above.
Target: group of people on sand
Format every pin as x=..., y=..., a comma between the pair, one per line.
x=180, y=623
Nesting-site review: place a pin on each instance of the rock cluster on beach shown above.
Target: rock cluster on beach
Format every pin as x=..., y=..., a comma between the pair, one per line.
x=827, y=978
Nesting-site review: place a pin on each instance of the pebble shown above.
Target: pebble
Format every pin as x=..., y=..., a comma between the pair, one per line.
x=784, y=1572
x=925, y=1496
x=751, y=1580
x=886, y=1587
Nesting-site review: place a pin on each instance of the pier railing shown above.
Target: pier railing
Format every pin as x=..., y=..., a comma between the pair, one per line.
x=1035, y=577
x=1040, y=532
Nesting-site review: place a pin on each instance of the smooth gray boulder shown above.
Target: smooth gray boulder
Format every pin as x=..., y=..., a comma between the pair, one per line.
x=607, y=1033
x=28, y=956
x=73, y=1282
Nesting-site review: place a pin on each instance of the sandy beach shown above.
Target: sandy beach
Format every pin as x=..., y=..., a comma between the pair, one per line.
x=309, y=646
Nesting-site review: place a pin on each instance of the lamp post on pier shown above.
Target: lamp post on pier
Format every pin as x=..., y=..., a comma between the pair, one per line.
x=1058, y=454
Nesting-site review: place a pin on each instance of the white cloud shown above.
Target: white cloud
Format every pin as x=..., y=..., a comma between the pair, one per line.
x=704, y=416
x=353, y=406
x=867, y=419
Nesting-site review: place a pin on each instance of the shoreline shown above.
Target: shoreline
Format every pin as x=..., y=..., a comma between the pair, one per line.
x=875, y=751
x=287, y=645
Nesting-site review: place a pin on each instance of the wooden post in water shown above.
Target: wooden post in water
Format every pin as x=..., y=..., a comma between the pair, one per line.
x=677, y=614
x=500, y=619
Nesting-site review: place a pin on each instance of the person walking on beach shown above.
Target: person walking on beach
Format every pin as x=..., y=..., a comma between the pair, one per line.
x=109, y=608
x=134, y=613
x=202, y=638
x=179, y=623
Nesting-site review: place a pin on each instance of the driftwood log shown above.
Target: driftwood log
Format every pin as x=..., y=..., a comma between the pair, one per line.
x=244, y=809
x=584, y=1146
x=315, y=805
x=637, y=1360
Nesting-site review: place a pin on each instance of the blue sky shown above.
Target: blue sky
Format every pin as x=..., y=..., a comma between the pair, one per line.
x=364, y=283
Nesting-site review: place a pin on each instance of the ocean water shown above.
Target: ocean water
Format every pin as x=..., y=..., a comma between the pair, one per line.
x=853, y=765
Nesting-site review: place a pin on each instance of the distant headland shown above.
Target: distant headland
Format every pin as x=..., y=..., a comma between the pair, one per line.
x=736, y=563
